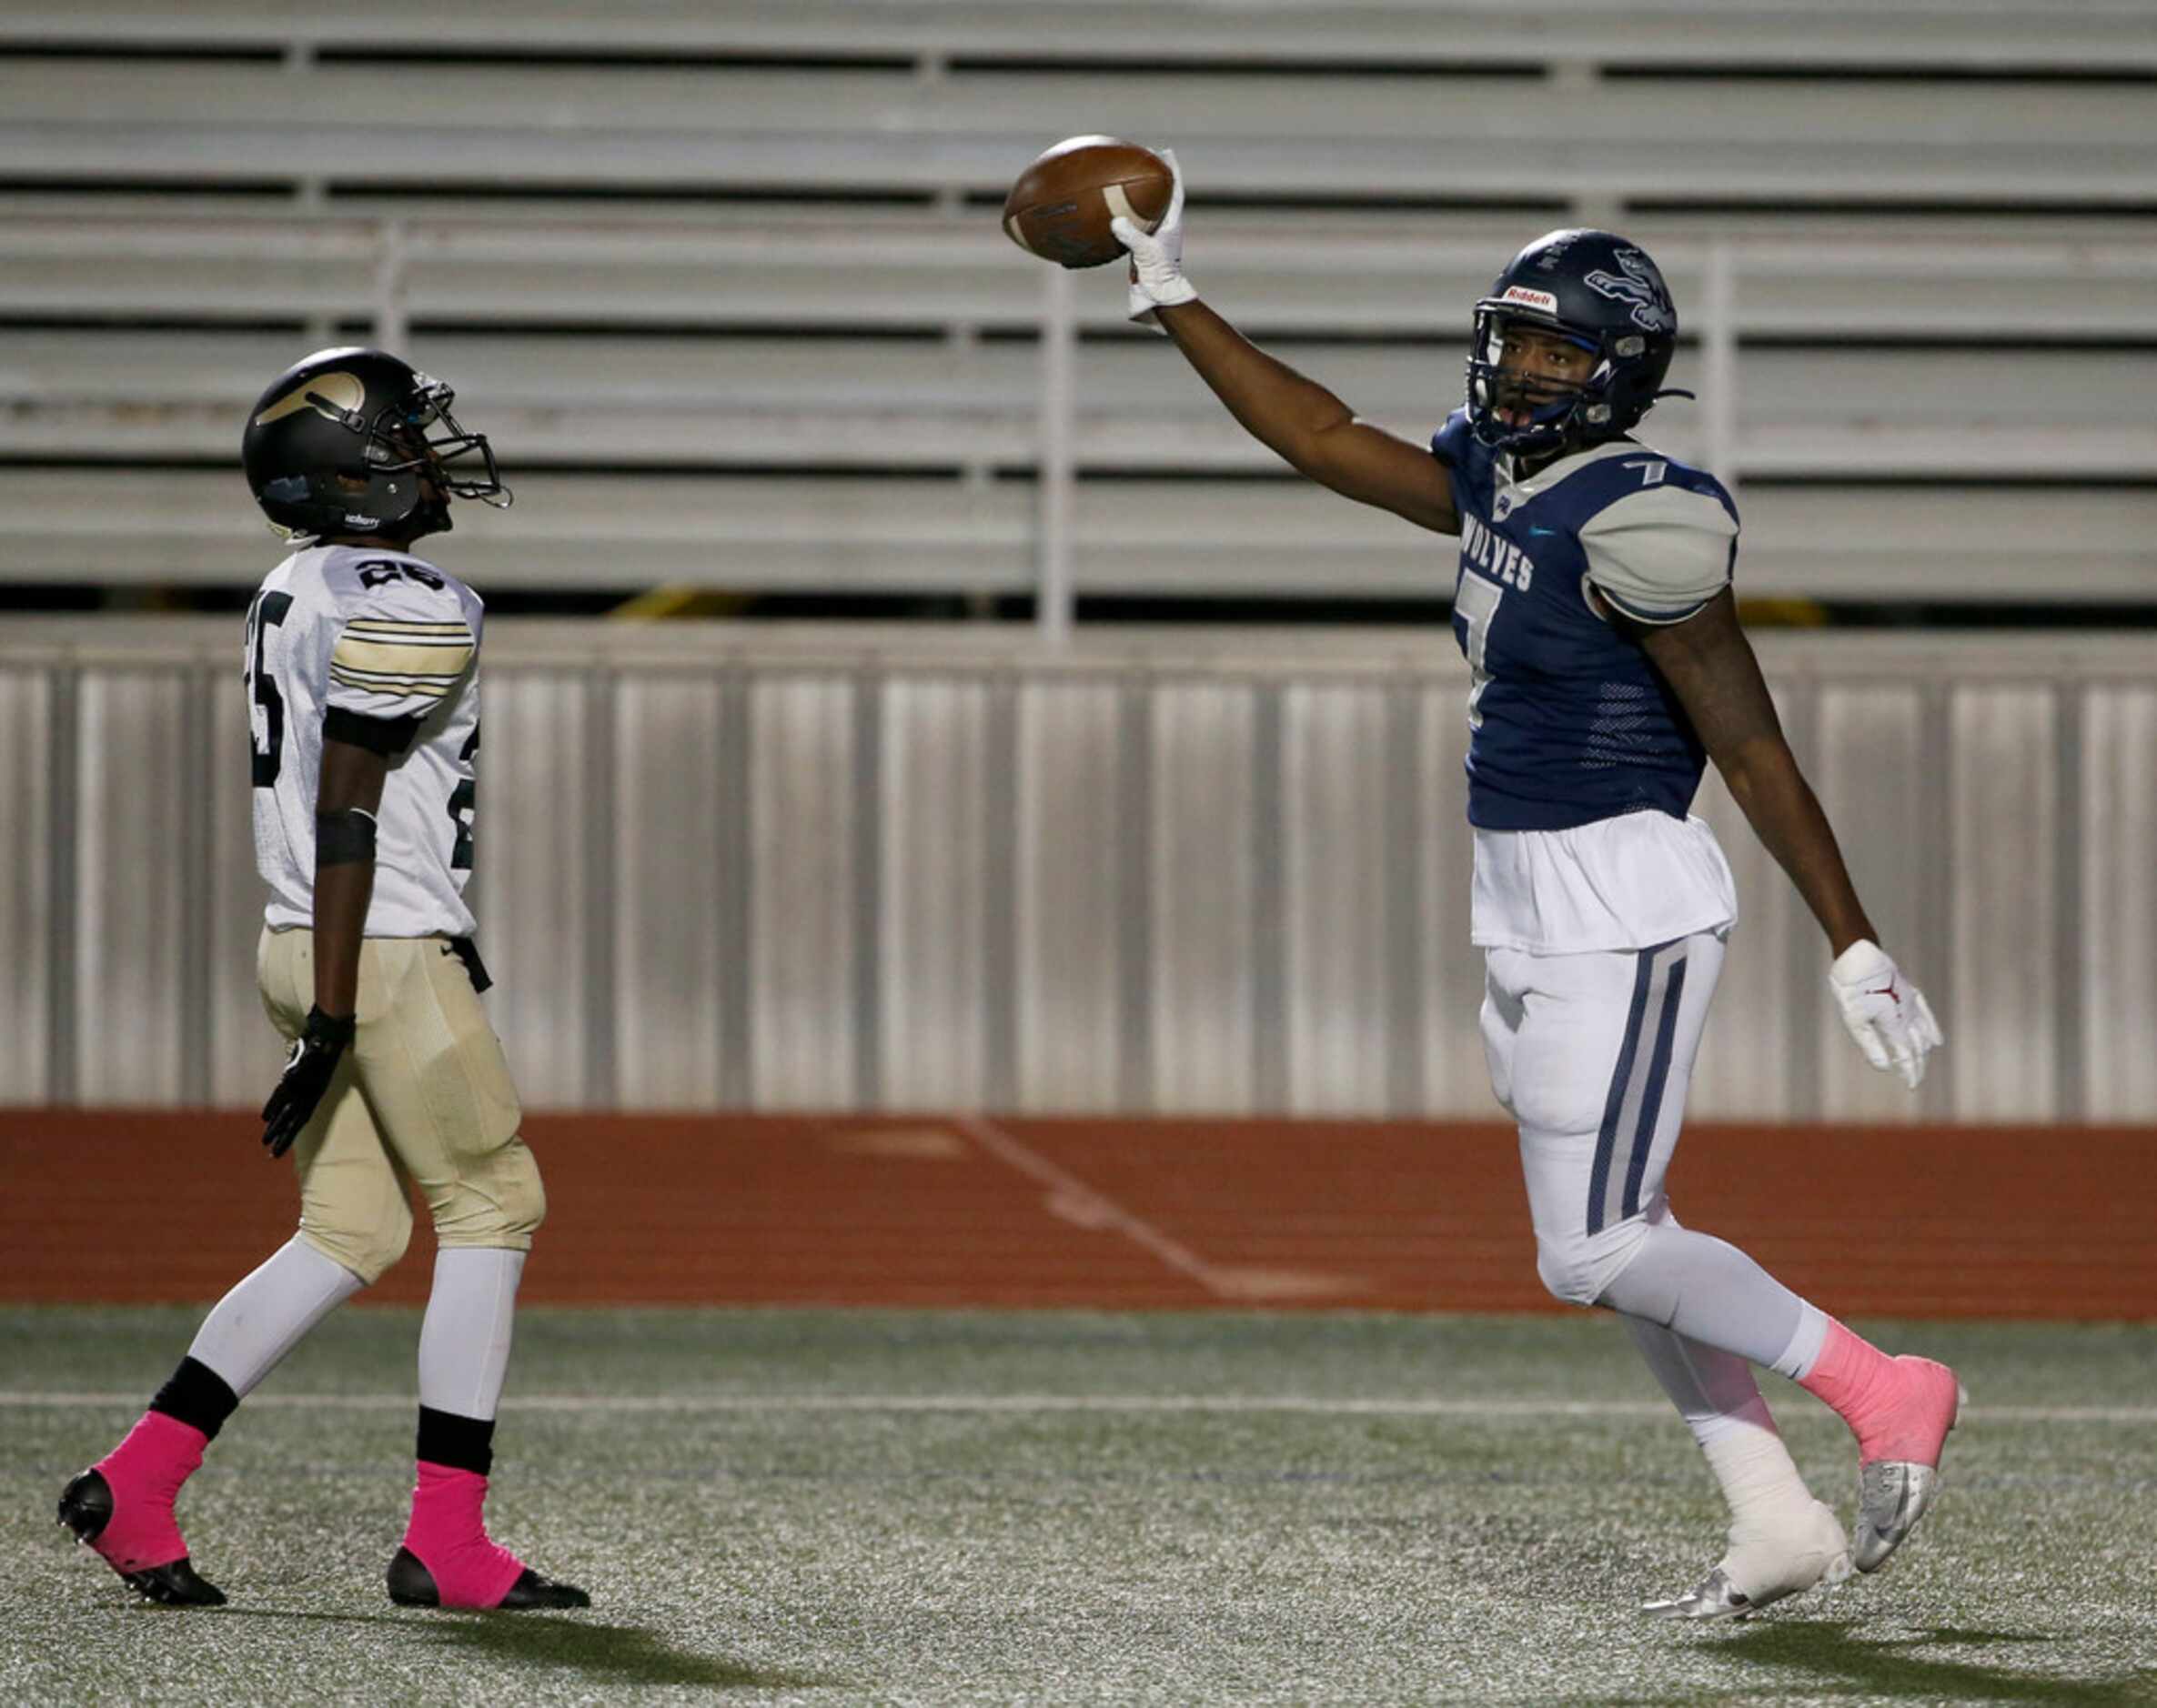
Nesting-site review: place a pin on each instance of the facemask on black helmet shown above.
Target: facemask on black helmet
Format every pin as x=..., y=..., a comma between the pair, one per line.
x=1601, y=295
x=356, y=441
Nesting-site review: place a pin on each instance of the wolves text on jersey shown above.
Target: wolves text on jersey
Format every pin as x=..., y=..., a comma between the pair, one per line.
x=1497, y=557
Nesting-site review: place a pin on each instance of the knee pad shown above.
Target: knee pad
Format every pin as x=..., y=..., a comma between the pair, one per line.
x=1581, y=1270
x=524, y=1207
x=1565, y=1274
x=499, y=1202
x=369, y=1252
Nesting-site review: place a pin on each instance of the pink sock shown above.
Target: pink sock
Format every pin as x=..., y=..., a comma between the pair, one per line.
x=449, y=1536
x=144, y=1472
x=1899, y=1409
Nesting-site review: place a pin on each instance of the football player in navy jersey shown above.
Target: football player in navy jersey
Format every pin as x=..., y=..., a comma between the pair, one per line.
x=1593, y=601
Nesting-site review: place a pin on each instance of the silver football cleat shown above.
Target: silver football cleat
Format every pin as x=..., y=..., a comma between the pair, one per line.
x=1777, y=1569
x=1713, y=1597
x=1892, y=1495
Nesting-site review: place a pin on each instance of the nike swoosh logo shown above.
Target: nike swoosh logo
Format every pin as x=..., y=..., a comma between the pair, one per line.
x=1542, y=530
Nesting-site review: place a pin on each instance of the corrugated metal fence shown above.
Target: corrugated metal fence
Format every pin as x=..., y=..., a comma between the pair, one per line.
x=738, y=867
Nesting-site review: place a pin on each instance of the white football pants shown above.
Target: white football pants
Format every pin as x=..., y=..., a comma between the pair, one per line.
x=1593, y=1055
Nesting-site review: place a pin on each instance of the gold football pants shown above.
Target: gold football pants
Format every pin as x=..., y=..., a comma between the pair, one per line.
x=421, y=1097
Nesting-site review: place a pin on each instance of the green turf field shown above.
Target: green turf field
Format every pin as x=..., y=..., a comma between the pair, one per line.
x=1056, y=1507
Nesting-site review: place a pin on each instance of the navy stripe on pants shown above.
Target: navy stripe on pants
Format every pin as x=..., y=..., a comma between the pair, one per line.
x=1651, y=1102
x=1614, y=1105
x=1636, y=1083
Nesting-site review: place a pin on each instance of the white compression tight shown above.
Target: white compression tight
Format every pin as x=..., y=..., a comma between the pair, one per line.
x=269, y=1313
x=464, y=1342
x=1708, y=1291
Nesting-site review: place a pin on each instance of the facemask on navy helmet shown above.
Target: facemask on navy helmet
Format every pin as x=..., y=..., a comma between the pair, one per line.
x=355, y=441
x=1598, y=292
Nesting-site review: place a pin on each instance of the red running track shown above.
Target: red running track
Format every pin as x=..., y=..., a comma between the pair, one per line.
x=1935, y=1221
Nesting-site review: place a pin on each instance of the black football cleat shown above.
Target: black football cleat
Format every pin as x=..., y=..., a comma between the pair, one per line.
x=86, y=1508
x=412, y=1585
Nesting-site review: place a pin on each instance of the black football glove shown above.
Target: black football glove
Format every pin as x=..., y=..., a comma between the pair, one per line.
x=308, y=1073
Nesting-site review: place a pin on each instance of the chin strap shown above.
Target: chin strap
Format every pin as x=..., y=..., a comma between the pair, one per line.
x=1673, y=391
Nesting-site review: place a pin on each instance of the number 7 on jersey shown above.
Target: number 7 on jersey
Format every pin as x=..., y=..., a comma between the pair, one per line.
x=1476, y=604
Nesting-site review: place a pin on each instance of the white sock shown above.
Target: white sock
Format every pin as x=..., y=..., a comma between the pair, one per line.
x=1767, y=1496
x=251, y=1328
x=464, y=1340
x=1720, y=1401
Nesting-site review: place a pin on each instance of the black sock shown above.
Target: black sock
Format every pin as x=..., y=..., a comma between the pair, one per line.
x=464, y=1444
x=197, y=1396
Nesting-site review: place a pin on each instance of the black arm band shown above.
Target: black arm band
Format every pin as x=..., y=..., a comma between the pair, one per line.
x=345, y=839
x=387, y=735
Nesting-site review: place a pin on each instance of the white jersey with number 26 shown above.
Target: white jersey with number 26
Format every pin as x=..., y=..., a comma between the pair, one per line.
x=382, y=635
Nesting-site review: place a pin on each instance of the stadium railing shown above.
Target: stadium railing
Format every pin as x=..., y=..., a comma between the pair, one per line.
x=1968, y=35
x=808, y=404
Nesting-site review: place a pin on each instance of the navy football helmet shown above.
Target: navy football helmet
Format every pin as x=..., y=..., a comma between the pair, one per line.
x=1594, y=290
x=339, y=444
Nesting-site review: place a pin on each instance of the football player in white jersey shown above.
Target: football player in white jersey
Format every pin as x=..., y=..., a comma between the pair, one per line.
x=1593, y=601
x=362, y=673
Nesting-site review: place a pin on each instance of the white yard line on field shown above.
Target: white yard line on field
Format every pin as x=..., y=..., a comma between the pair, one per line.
x=1072, y=1200
x=1028, y=1403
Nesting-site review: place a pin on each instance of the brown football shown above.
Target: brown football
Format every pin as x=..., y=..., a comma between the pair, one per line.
x=1060, y=207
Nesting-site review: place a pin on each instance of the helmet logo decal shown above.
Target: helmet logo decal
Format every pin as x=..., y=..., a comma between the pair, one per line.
x=1546, y=301
x=339, y=391
x=1638, y=285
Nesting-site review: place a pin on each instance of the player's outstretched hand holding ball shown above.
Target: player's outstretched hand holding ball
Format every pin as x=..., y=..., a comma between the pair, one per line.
x=308, y=1070
x=1090, y=199
x=1886, y=1014
x=1157, y=278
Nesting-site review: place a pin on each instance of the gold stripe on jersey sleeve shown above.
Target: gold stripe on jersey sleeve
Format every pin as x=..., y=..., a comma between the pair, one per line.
x=438, y=660
x=398, y=686
x=379, y=626
x=368, y=673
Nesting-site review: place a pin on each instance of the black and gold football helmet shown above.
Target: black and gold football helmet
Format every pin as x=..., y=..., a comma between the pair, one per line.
x=356, y=441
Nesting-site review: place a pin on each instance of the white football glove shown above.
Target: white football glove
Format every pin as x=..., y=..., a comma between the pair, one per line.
x=1886, y=1014
x=1157, y=278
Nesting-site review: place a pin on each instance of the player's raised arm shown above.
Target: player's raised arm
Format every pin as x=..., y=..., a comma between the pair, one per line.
x=1306, y=425
x=1710, y=667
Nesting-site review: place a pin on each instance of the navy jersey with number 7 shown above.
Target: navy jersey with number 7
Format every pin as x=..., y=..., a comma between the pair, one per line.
x=1569, y=721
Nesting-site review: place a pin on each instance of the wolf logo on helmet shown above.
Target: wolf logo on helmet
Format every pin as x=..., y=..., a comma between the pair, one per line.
x=1641, y=286
x=339, y=442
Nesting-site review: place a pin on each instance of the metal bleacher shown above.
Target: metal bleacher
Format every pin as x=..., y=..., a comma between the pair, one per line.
x=725, y=282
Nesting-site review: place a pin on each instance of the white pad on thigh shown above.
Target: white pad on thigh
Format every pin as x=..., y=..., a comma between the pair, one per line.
x=464, y=1339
